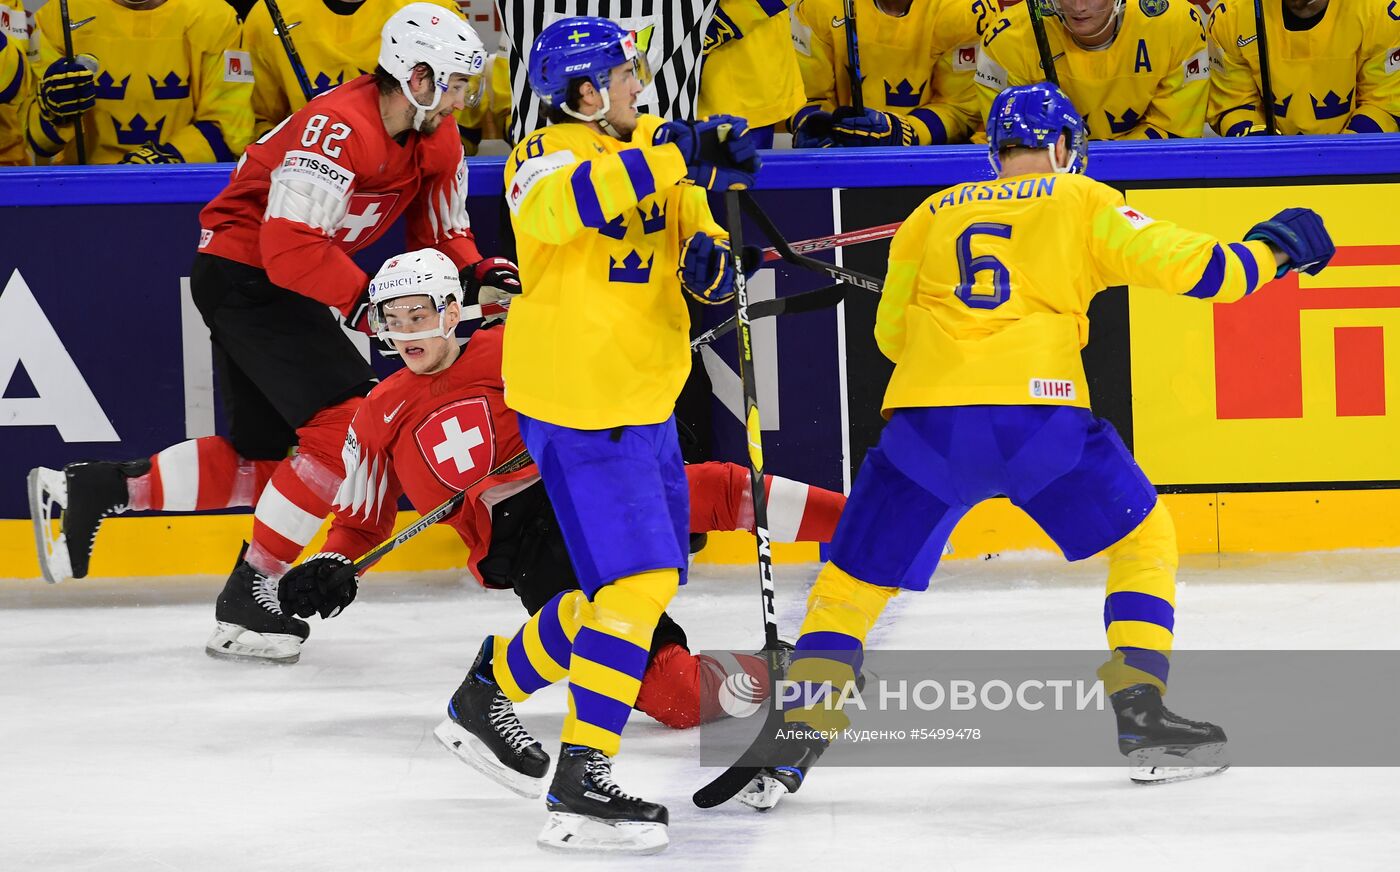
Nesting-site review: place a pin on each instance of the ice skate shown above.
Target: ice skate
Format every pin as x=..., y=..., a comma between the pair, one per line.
x=795, y=749
x=589, y=813
x=482, y=731
x=85, y=493
x=1162, y=747
x=251, y=625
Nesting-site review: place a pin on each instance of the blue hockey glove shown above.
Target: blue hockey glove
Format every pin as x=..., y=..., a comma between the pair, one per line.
x=1301, y=236
x=813, y=131
x=871, y=128
x=326, y=583
x=67, y=90
x=707, y=269
x=153, y=153
x=718, y=154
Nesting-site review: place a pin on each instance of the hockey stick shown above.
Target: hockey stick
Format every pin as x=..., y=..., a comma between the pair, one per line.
x=725, y=786
x=79, y=138
x=280, y=26
x=453, y=503
x=1266, y=79
x=836, y=240
x=853, y=60
x=1042, y=42
x=787, y=253
x=808, y=301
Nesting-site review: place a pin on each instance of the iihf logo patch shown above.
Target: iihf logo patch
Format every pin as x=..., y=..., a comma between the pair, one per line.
x=1052, y=389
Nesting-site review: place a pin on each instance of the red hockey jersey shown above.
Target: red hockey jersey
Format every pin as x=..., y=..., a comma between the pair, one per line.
x=327, y=182
x=429, y=436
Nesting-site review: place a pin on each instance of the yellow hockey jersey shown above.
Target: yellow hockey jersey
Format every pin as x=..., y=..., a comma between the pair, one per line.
x=987, y=296
x=173, y=75
x=15, y=83
x=333, y=48
x=750, y=68
x=1340, y=76
x=600, y=336
x=1151, y=82
x=920, y=65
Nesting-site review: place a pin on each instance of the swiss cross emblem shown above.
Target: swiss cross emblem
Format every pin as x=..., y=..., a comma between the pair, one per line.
x=459, y=442
x=364, y=214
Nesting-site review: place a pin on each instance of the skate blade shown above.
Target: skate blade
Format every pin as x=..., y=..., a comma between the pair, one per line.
x=232, y=642
x=762, y=793
x=473, y=752
x=1162, y=766
x=49, y=488
x=565, y=833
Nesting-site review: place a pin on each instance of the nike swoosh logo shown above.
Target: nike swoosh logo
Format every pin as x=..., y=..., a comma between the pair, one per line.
x=290, y=27
x=1242, y=42
x=390, y=417
x=77, y=24
x=837, y=22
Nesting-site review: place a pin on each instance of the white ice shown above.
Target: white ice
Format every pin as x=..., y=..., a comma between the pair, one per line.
x=123, y=747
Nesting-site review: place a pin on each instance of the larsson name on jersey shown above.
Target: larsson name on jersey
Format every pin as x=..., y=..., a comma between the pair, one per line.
x=308, y=166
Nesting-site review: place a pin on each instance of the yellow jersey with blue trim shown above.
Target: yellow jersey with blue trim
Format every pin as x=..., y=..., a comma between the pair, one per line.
x=599, y=337
x=919, y=65
x=987, y=296
x=173, y=76
x=1151, y=82
x=1338, y=73
x=15, y=83
x=750, y=65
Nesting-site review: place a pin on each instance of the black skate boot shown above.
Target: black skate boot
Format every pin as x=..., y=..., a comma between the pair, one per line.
x=795, y=749
x=589, y=813
x=482, y=730
x=87, y=493
x=1162, y=746
x=251, y=625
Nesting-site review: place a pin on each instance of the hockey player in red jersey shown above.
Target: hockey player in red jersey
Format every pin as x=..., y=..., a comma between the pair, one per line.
x=274, y=253
x=440, y=425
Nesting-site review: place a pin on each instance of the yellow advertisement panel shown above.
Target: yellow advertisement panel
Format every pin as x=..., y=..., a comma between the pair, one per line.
x=1300, y=382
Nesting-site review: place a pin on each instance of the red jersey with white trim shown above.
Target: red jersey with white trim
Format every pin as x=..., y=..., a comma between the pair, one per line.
x=329, y=181
x=428, y=437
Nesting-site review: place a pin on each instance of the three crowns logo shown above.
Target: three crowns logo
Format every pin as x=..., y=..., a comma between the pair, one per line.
x=904, y=95
x=631, y=270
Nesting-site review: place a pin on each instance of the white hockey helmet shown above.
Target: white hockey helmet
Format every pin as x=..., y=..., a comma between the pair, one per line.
x=426, y=272
x=423, y=33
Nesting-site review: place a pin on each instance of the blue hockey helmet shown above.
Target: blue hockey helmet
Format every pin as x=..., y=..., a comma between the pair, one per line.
x=582, y=48
x=1034, y=116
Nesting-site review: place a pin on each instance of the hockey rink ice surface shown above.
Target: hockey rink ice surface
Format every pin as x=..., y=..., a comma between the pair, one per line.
x=123, y=747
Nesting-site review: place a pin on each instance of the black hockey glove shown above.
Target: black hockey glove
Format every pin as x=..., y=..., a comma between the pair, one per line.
x=325, y=584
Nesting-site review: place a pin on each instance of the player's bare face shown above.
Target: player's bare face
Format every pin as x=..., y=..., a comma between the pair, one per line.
x=418, y=315
x=1089, y=21
x=454, y=100
x=623, y=90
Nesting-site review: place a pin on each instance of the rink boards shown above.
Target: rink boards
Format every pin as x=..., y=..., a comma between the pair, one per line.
x=1271, y=425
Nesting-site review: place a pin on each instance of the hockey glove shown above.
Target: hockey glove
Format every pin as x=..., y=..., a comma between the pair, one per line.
x=873, y=127
x=67, y=90
x=153, y=153
x=1301, y=236
x=707, y=268
x=717, y=154
x=814, y=131
x=491, y=280
x=326, y=583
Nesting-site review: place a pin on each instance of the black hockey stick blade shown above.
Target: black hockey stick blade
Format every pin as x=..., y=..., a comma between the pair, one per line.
x=808, y=301
x=728, y=783
x=785, y=250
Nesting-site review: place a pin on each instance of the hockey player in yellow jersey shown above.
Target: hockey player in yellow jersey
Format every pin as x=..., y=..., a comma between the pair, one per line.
x=1135, y=69
x=337, y=40
x=170, y=84
x=917, y=59
x=1334, y=67
x=750, y=66
x=612, y=225
x=15, y=83
x=984, y=315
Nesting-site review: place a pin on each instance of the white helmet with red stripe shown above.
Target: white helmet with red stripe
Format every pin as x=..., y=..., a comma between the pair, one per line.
x=423, y=33
x=423, y=273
